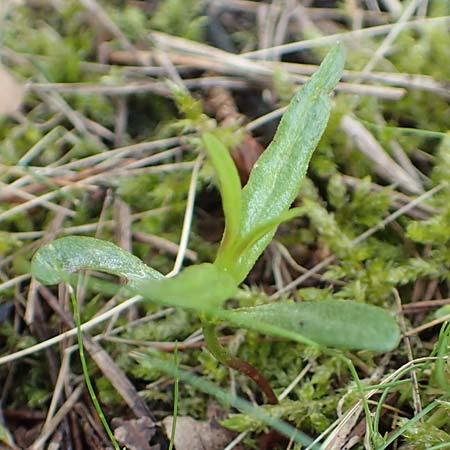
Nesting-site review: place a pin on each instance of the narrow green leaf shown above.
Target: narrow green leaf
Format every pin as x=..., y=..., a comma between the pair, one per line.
x=229, y=184
x=245, y=244
x=277, y=175
x=200, y=287
x=54, y=262
x=332, y=323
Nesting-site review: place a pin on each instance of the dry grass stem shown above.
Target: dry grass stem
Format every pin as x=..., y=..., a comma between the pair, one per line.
x=346, y=36
x=384, y=165
x=184, y=239
x=56, y=420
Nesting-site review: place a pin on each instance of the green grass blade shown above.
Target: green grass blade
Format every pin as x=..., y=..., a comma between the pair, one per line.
x=415, y=419
x=226, y=398
x=175, y=398
x=442, y=346
x=87, y=378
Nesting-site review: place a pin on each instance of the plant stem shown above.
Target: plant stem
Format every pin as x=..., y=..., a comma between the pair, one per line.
x=87, y=379
x=175, y=399
x=223, y=356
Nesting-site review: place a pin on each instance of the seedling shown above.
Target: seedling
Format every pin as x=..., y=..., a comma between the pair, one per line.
x=252, y=215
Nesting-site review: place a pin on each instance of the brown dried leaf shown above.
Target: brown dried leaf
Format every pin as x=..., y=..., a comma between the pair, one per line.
x=222, y=105
x=245, y=156
x=193, y=434
x=135, y=434
x=11, y=93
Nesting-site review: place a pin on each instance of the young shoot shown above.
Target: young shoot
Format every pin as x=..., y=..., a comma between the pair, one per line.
x=252, y=215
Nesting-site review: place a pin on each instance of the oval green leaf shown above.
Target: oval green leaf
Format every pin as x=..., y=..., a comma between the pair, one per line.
x=53, y=263
x=332, y=323
x=203, y=287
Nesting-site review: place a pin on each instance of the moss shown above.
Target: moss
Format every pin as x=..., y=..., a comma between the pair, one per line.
x=181, y=18
x=411, y=255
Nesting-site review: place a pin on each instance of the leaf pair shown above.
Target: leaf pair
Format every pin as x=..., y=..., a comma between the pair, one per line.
x=199, y=285
x=253, y=214
x=203, y=288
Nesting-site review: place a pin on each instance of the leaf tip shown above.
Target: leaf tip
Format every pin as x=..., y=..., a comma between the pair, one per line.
x=330, y=71
x=42, y=268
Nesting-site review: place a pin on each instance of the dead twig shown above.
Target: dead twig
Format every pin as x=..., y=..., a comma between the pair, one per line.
x=56, y=420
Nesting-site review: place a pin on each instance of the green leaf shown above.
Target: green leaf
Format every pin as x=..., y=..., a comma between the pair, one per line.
x=229, y=184
x=332, y=323
x=200, y=287
x=246, y=243
x=54, y=262
x=277, y=175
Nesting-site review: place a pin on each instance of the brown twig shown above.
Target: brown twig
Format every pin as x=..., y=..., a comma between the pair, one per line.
x=424, y=304
x=59, y=416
